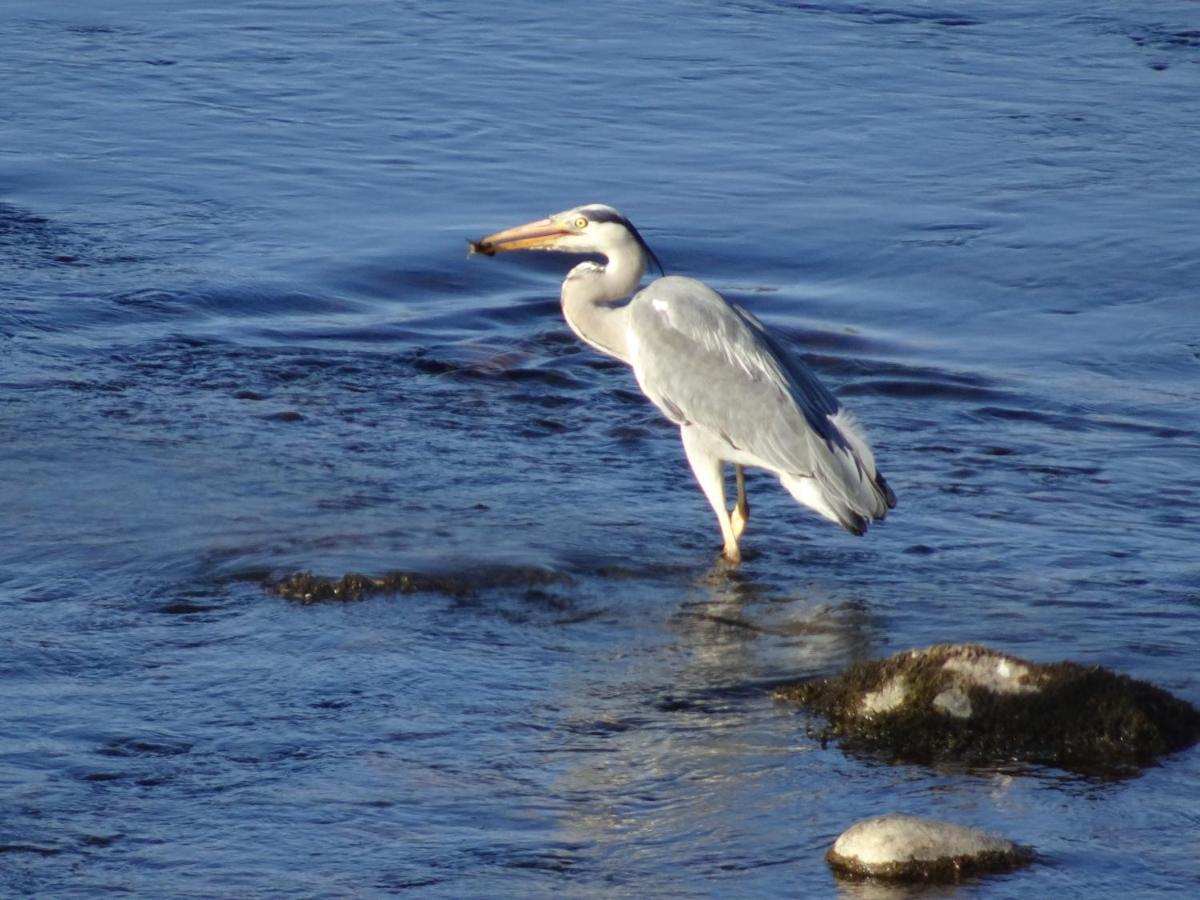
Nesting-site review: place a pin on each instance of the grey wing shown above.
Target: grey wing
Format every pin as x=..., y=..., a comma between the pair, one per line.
x=707, y=363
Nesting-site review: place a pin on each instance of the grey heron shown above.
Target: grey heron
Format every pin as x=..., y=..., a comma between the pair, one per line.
x=736, y=393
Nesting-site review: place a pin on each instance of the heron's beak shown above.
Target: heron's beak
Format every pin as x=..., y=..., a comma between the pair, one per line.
x=542, y=234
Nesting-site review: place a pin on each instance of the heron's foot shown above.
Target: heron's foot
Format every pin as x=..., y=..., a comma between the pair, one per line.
x=731, y=554
x=738, y=519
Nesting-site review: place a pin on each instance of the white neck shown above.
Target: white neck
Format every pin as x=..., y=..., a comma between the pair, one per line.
x=589, y=295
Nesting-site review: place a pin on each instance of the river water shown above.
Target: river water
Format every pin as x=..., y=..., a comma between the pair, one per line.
x=240, y=336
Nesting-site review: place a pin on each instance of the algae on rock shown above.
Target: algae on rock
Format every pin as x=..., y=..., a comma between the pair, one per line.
x=969, y=704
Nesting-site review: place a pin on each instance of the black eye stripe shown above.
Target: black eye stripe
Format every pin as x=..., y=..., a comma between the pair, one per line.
x=603, y=214
x=598, y=214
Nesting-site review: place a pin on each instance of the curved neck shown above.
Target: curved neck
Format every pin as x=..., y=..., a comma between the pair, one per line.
x=589, y=297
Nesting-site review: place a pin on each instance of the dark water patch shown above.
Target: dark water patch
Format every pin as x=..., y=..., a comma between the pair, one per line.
x=184, y=608
x=1081, y=423
x=402, y=883
x=98, y=30
x=866, y=13
x=940, y=449
x=272, y=303
x=380, y=334
x=540, y=427
x=430, y=365
x=30, y=848
x=964, y=490
x=628, y=434
x=559, y=862
x=102, y=776
x=246, y=373
x=1056, y=472
x=90, y=386
x=383, y=279
x=548, y=377
x=605, y=727
x=961, y=473
x=98, y=840
x=522, y=313
x=582, y=565
x=504, y=318
x=869, y=376
x=627, y=397
x=920, y=390
x=715, y=697
x=357, y=501
x=152, y=302
x=1162, y=37
x=158, y=745
x=544, y=400
x=672, y=703
x=734, y=622
x=466, y=362
x=809, y=342
x=947, y=234
x=31, y=241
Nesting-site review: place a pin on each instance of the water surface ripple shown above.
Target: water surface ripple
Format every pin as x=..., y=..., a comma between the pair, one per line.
x=239, y=336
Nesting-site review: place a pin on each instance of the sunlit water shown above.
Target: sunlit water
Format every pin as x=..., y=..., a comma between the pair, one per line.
x=239, y=336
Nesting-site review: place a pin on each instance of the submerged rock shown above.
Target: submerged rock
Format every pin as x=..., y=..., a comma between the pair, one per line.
x=309, y=588
x=966, y=703
x=907, y=848
x=305, y=587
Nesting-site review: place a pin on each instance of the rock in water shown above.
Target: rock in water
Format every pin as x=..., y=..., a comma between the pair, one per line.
x=969, y=704
x=907, y=848
x=305, y=587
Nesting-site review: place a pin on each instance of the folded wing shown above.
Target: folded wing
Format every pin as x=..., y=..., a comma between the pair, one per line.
x=707, y=363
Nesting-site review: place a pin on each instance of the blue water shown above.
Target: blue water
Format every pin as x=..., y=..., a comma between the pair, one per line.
x=240, y=336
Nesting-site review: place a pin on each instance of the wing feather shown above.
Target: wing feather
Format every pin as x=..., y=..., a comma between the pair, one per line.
x=705, y=362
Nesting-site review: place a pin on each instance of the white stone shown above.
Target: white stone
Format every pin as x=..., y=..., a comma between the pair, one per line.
x=898, y=839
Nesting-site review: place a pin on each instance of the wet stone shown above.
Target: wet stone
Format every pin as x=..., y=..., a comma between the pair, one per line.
x=968, y=704
x=305, y=587
x=908, y=848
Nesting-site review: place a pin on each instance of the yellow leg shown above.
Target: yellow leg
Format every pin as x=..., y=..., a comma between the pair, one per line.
x=741, y=512
x=709, y=472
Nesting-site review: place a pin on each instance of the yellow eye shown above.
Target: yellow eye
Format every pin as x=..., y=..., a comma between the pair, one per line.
x=581, y=222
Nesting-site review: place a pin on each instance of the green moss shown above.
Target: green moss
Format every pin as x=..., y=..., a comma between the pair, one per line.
x=1084, y=718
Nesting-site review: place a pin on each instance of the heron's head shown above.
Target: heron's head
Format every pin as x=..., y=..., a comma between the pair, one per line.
x=594, y=228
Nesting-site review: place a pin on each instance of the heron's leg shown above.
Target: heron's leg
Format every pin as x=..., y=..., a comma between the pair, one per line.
x=741, y=513
x=709, y=472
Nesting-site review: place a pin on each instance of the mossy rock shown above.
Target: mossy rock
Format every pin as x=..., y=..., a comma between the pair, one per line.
x=969, y=704
x=305, y=587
